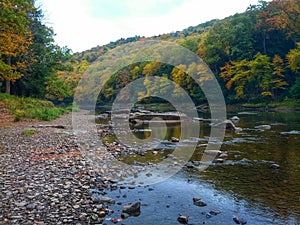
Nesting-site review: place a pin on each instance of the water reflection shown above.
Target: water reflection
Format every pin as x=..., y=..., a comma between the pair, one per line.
x=244, y=183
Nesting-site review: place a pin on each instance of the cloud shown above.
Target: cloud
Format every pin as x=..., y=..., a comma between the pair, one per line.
x=82, y=24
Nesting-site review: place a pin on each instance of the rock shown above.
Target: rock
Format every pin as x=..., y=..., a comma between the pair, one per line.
x=124, y=215
x=223, y=155
x=263, y=127
x=21, y=204
x=174, y=139
x=199, y=202
x=31, y=206
x=213, y=152
x=218, y=160
x=274, y=166
x=229, y=125
x=102, y=214
x=213, y=212
x=114, y=220
x=235, y=119
x=132, y=209
x=113, y=181
x=102, y=200
x=238, y=220
x=208, y=215
x=183, y=219
x=76, y=206
x=189, y=165
x=196, y=163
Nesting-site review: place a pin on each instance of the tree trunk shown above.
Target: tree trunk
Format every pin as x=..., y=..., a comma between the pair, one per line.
x=264, y=43
x=7, y=87
x=7, y=82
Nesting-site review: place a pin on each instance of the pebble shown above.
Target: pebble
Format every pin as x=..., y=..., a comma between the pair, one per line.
x=76, y=206
x=46, y=180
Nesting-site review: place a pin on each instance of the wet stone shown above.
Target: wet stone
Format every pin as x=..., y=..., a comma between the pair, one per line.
x=199, y=202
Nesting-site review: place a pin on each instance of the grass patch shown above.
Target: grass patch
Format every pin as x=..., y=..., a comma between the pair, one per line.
x=29, y=132
x=287, y=103
x=31, y=108
x=255, y=105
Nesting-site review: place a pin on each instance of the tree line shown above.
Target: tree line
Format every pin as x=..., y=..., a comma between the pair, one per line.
x=254, y=55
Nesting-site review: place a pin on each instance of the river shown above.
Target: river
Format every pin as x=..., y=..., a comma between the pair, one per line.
x=243, y=185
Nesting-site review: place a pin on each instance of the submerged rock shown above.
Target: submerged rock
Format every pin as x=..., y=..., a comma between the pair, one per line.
x=124, y=215
x=214, y=212
x=183, y=219
x=132, y=209
x=199, y=202
x=238, y=220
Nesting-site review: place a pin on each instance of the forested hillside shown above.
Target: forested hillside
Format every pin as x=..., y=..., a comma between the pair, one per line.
x=255, y=55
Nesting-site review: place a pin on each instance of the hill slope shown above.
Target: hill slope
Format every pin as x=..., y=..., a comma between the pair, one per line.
x=254, y=56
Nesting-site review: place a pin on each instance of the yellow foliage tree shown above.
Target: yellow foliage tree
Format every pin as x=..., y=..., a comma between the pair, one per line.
x=15, y=39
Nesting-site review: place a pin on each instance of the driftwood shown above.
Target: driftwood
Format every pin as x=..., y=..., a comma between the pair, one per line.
x=228, y=125
x=49, y=126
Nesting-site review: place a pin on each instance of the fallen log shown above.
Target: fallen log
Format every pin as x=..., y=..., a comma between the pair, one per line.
x=49, y=126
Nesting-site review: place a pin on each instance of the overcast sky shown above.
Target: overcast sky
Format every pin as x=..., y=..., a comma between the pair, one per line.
x=83, y=24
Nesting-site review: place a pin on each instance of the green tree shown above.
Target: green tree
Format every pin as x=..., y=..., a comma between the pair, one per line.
x=237, y=74
x=279, y=82
x=15, y=39
x=294, y=59
x=294, y=64
x=254, y=79
x=45, y=70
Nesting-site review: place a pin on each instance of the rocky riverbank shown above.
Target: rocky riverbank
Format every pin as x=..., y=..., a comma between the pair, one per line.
x=44, y=179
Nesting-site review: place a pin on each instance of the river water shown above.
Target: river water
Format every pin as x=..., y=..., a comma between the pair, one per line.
x=243, y=185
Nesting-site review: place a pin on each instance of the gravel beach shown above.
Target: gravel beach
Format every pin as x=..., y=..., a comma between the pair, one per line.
x=44, y=179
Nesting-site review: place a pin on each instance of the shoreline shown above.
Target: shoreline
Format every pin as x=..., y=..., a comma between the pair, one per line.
x=46, y=180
